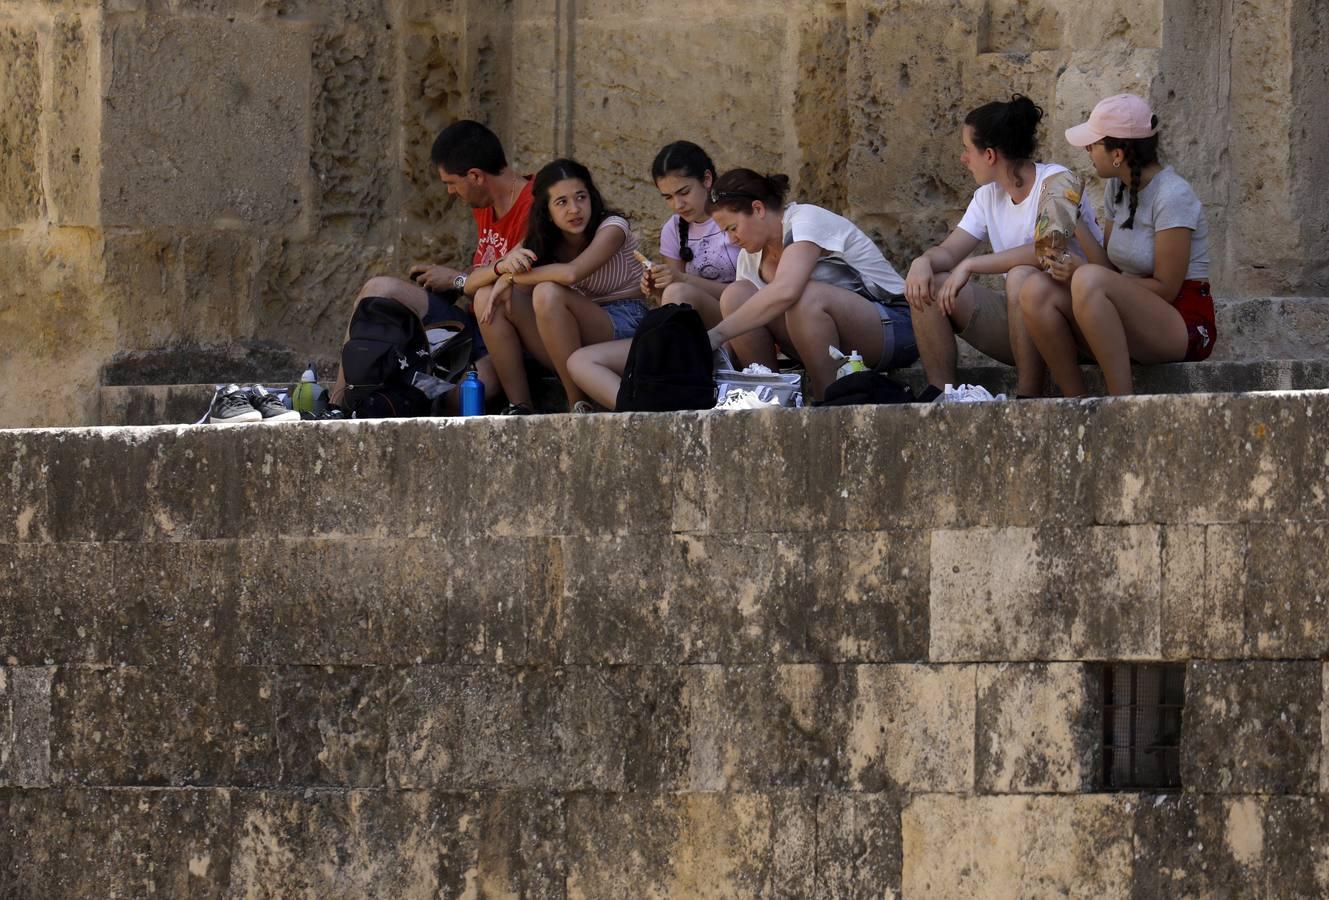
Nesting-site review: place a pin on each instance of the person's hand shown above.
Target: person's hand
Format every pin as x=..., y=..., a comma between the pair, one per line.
x=918, y=284
x=515, y=262
x=955, y=282
x=647, y=282
x=1062, y=266
x=498, y=297
x=434, y=278
x=662, y=277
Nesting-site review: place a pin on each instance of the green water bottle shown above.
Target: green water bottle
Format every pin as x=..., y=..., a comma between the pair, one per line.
x=304, y=398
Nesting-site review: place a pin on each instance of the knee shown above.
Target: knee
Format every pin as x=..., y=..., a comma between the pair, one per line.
x=1088, y=278
x=546, y=298
x=939, y=279
x=1036, y=294
x=379, y=286
x=733, y=297
x=676, y=293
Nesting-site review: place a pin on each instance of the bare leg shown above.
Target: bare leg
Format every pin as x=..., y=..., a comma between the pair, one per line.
x=567, y=322
x=1122, y=320
x=513, y=329
x=935, y=332
x=758, y=345
x=598, y=370
x=1029, y=368
x=827, y=315
x=706, y=305
x=1046, y=308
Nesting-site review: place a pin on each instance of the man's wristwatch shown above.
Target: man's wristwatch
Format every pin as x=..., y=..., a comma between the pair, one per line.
x=459, y=283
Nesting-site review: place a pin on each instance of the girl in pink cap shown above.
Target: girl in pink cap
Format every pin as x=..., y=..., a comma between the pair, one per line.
x=1150, y=302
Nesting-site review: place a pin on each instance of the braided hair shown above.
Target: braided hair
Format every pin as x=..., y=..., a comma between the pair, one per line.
x=685, y=160
x=1138, y=152
x=1010, y=127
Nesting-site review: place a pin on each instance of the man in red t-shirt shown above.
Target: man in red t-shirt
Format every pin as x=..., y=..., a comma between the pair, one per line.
x=471, y=163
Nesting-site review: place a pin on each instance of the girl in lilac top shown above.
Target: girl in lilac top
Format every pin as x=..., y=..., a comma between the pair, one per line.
x=699, y=263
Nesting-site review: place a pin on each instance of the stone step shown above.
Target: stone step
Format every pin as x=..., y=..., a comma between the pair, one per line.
x=180, y=404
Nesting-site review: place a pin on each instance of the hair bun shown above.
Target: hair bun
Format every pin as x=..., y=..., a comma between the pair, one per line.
x=779, y=186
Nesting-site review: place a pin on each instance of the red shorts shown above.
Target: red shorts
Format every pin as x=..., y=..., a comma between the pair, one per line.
x=1196, y=306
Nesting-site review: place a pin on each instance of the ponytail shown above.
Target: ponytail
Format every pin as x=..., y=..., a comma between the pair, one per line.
x=1009, y=127
x=737, y=189
x=1138, y=152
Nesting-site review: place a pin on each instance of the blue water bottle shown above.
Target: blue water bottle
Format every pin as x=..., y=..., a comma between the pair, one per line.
x=472, y=395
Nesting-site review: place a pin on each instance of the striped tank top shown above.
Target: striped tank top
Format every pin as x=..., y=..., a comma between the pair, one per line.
x=621, y=273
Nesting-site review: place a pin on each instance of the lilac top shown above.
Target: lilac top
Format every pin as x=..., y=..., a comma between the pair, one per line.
x=714, y=256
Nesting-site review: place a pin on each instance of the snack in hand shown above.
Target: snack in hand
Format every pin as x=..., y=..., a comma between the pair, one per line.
x=1058, y=214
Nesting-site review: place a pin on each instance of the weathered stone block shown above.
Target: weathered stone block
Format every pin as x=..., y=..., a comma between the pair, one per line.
x=1204, y=591
x=20, y=96
x=396, y=843
x=1036, y=730
x=78, y=842
x=858, y=846
x=766, y=727
x=72, y=145
x=1296, y=845
x=685, y=845
x=1191, y=845
x=331, y=725
x=325, y=602
x=1287, y=609
x=912, y=729
x=1017, y=846
x=737, y=599
x=168, y=74
x=609, y=603
x=1252, y=727
x=59, y=601
x=1269, y=448
x=24, y=513
x=25, y=727
x=466, y=728
x=161, y=726
x=868, y=597
x=984, y=464
x=1024, y=594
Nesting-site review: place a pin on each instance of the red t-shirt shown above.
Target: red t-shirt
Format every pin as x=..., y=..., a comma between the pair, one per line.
x=497, y=237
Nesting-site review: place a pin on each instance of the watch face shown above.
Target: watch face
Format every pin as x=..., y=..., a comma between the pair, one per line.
x=459, y=282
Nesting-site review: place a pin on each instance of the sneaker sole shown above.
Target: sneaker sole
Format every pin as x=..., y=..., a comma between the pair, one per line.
x=289, y=416
x=254, y=416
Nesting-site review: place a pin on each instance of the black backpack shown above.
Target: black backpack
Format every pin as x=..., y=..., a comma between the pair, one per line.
x=669, y=363
x=866, y=387
x=385, y=356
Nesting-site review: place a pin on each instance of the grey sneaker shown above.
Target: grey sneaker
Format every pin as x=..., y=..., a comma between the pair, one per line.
x=232, y=404
x=269, y=407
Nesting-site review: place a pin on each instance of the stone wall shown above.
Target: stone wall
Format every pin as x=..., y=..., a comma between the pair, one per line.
x=176, y=173
x=353, y=659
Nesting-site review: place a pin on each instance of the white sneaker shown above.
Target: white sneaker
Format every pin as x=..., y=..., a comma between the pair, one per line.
x=968, y=393
x=745, y=400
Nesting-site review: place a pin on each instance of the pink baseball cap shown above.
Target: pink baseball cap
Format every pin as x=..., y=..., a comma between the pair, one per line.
x=1124, y=116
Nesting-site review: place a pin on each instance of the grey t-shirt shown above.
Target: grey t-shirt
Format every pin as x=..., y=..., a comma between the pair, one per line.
x=1167, y=201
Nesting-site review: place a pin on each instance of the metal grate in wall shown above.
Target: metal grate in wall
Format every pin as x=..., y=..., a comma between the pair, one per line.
x=1142, y=713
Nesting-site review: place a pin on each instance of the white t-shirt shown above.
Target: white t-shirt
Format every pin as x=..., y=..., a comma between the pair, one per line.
x=851, y=259
x=992, y=217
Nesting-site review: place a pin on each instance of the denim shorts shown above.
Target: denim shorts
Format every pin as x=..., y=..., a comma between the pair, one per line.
x=626, y=316
x=442, y=309
x=897, y=332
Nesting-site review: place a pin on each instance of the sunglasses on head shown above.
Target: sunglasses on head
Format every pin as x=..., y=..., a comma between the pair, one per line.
x=722, y=196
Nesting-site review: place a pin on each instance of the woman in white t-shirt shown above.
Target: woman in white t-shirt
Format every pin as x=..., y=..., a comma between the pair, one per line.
x=699, y=263
x=1000, y=140
x=1149, y=300
x=808, y=279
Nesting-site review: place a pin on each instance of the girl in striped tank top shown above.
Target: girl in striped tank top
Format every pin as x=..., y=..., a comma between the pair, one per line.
x=584, y=284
